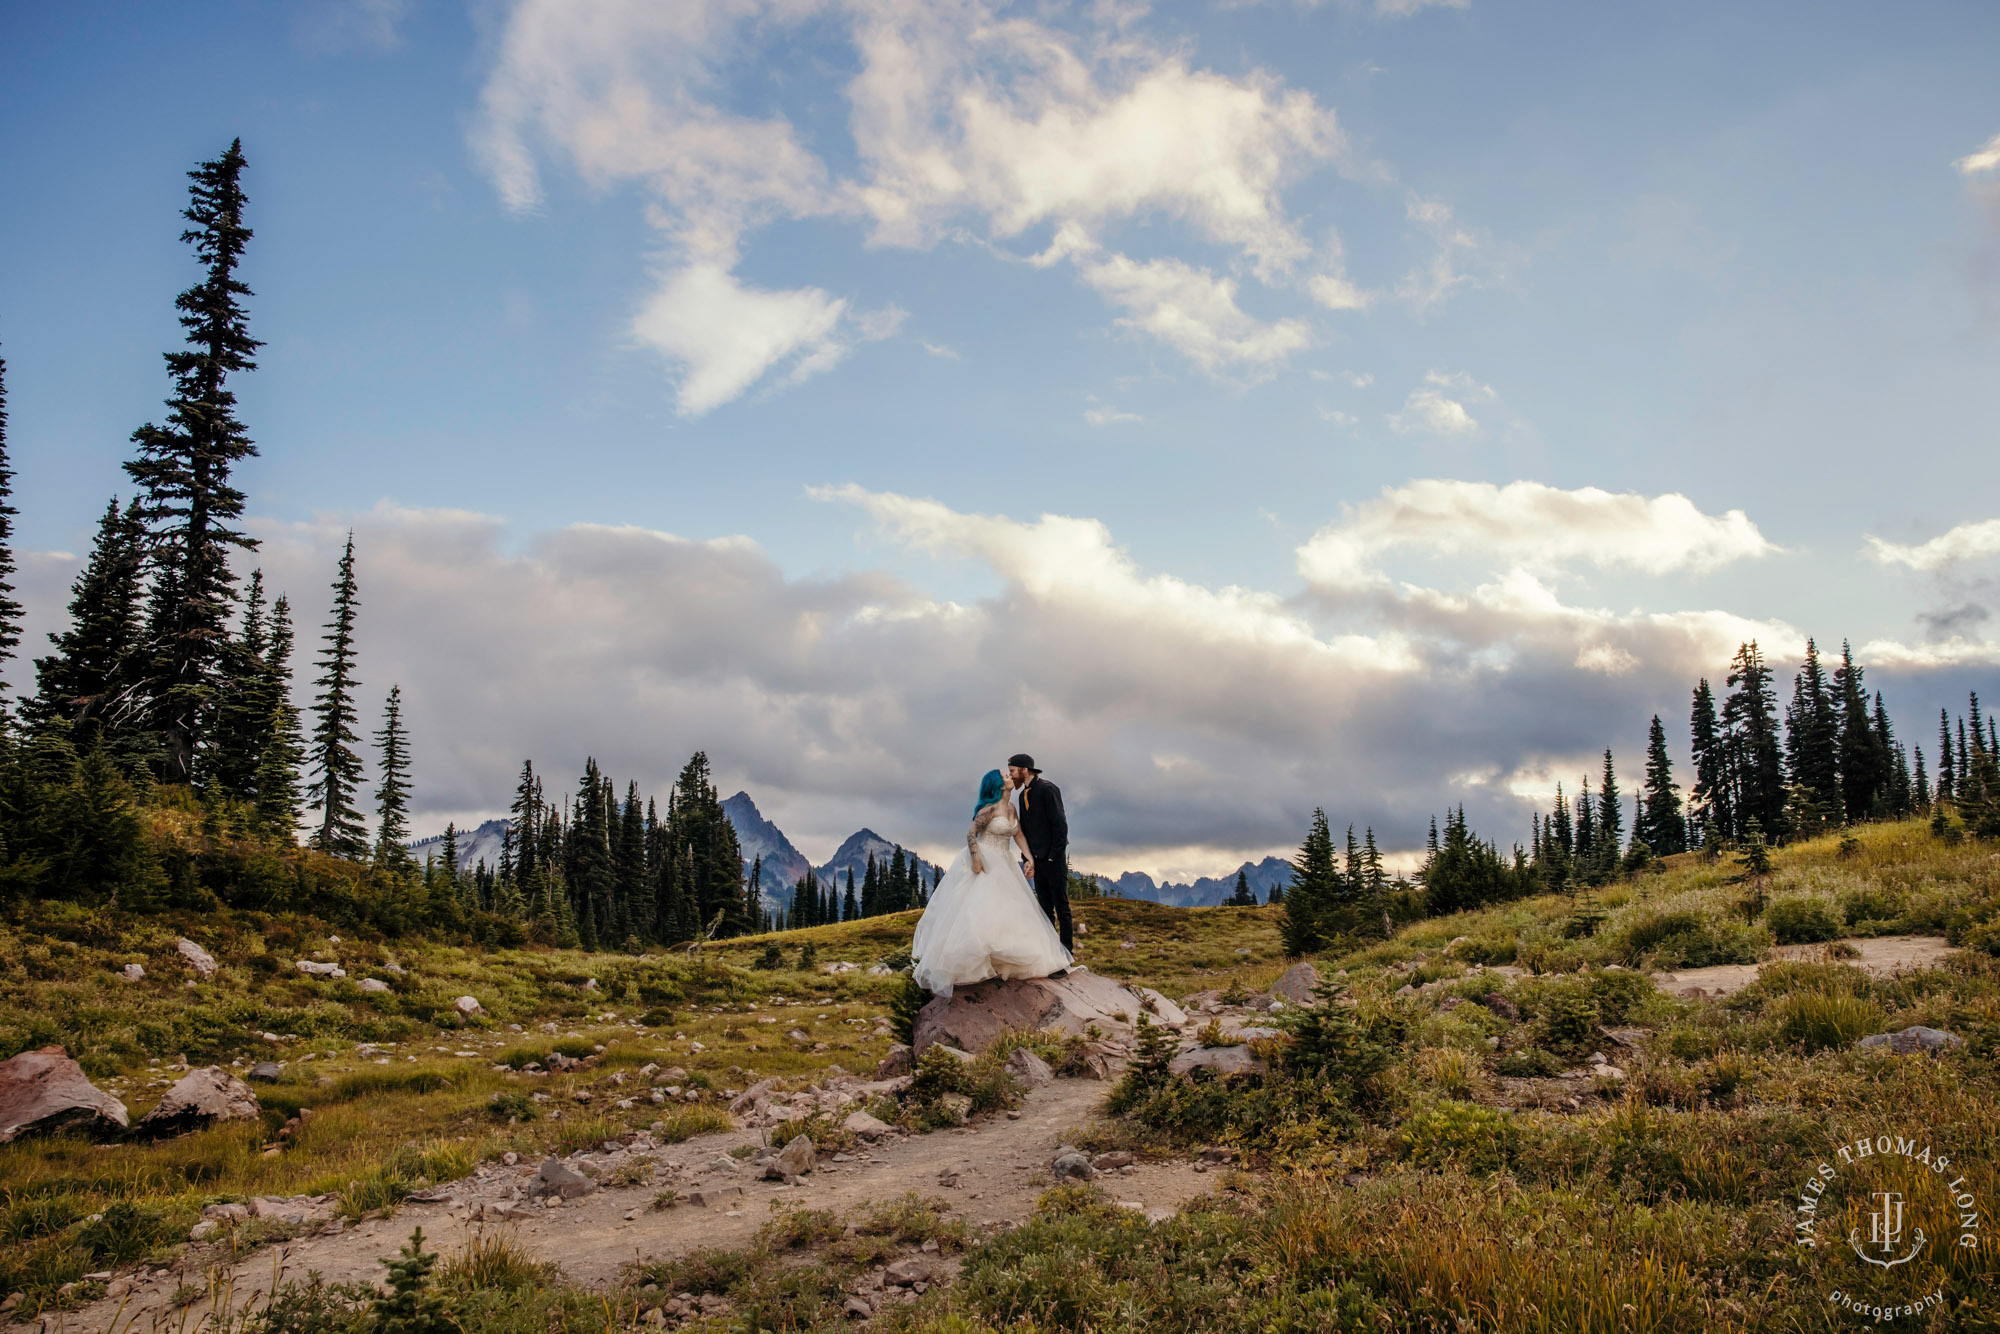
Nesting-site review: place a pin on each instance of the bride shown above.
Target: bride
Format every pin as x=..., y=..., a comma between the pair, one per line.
x=983, y=919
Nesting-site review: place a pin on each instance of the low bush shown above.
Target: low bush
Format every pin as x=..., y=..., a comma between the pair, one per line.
x=1463, y=1135
x=1686, y=938
x=1818, y=1022
x=1803, y=920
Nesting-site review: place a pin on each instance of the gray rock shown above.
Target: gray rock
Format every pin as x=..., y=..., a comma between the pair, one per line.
x=972, y=1017
x=203, y=1230
x=1296, y=984
x=864, y=1125
x=1031, y=1070
x=133, y=972
x=1163, y=1010
x=558, y=1178
x=909, y=1271
x=1908, y=1041
x=199, y=1098
x=227, y=1213
x=197, y=958
x=1501, y=1006
x=468, y=1005
x=314, y=968
x=742, y=1104
x=1111, y=1162
x=794, y=1160
x=266, y=1072
x=957, y=1104
x=897, y=1062
x=710, y=1196
x=46, y=1091
x=1074, y=1165
x=1222, y=1060
x=373, y=984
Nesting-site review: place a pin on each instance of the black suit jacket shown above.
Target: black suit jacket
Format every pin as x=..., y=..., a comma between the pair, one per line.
x=1043, y=823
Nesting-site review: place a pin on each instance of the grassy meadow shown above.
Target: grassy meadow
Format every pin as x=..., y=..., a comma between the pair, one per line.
x=1410, y=1159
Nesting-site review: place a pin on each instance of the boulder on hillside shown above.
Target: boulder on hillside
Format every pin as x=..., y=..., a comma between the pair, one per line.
x=973, y=1016
x=133, y=972
x=373, y=985
x=468, y=1005
x=1163, y=1010
x=197, y=958
x=1031, y=1070
x=46, y=1091
x=317, y=969
x=1916, y=1038
x=199, y=1098
x=1222, y=1060
x=1297, y=984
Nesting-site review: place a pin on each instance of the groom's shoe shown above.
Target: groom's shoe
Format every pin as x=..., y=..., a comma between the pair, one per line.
x=1060, y=972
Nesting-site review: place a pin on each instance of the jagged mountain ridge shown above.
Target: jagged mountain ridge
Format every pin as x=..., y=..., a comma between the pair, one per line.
x=783, y=864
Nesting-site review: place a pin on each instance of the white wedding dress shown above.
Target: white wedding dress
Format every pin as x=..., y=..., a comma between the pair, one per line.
x=985, y=924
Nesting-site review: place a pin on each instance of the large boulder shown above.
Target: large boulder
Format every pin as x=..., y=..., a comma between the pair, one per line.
x=197, y=958
x=1908, y=1041
x=1222, y=1060
x=1031, y=1070
x=973, y=1016
x=199, y=1098
x=46, y=1091
x=317, y=968
x=1296, y=984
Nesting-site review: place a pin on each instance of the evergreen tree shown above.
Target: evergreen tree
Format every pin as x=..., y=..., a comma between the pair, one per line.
x=587, y=863
x=1565, y=830
x=93, y=679
x=337, y=769
x=898, y=897
x=1946, y=773
x=871, y=889
x=1922, y=794
x=182, y=470
x=10, y=607
x=1376, y=880
x=1242, y=898
x=284, y=749
x=392, y=793
x=1610, y=818
x=243, y=709
x=1812, y=739
x=1314, y=890
x=850, y=906
x=1864, y=765
x=707, y=854
x=628, y=864
x=1659, y=825
x=1750, y=735
x=1586, y=830
x=1711, y=813
x=1895, y=797
x=518, y=850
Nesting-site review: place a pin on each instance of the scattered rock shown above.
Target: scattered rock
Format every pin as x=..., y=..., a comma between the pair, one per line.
x=1218, y=1155
x=133, y=972
x=227, y=1213
x=266, y=1072
x=45, y=1090
x=317, y=969
x=973, y=1016
x=203, y=1230
x=1605, y=1070
x=897, y=1062
x=794, y=1160
x=1916, y=1038
x=864, y=1125
x=855, y=1308
x=560, y=1179
x=1031, y=1070
x=1501, y=1006
x=468, y=1005
x=909, y=1271
x=373, y=984
x=1111, y=1162
x=957, y=1104
x=1074, y=1164
x=1296, y=984
x=1163, y=1010
x=197, y=958
x=1623, y=1037
x=710, y=1196
x=1223, y=1060
x=199, y=1098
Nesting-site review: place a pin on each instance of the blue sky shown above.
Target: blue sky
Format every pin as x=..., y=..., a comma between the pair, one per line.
x=847, y=297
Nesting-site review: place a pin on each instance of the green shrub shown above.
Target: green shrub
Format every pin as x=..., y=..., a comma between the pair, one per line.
x=1460, y=1134
x=1684, y=938
x=1621, y=994
x=512, y=1107
x=1567, y=1018
x=1529, y=1063
x=1817, y=1022
x=124, y=1232
x=1802, y=920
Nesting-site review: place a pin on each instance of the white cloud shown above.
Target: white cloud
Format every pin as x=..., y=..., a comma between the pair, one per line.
x=941, y=350
x=1531, y=525
x=964, y=116
x=1438, y=407
x=725, y=336
x=1986, y=159
x=1966, y=542
x=1335, y=417
x=1103, y=414
x=349, y=25
x=1193, y=311
x=1458, y=250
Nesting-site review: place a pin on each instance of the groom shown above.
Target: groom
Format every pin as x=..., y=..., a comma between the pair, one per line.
x=1047, y=831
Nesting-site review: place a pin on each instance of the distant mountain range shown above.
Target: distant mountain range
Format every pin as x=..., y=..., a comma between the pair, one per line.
x=783, y=864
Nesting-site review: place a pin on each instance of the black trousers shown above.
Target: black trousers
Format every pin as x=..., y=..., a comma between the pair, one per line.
x=1052, y=891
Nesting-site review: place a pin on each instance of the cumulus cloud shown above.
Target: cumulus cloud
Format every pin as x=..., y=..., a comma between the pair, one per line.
x=1985, y=160
x=1187, y=722
x=963, y=117
x=1103, y=414
x=1438, y=407
x=1529, y=525
x=1966, y=542
x=725, y=335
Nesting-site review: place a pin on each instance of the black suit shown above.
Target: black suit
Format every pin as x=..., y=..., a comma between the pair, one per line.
x=1046, y=828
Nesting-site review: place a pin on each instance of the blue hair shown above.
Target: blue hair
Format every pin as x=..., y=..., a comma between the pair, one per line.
x=991, y=789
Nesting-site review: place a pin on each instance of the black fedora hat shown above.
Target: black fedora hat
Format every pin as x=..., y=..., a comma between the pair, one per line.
x=1023, y=762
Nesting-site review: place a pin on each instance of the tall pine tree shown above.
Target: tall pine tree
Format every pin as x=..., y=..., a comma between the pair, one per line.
x=10, y=607
x=93, y=679
x=1314, y=890
x=182, y=470
x=1750, y=735
x=284, y=748
x=336, y=767
x=392, y=792
x=1711, y=803
x=1812, y=741
x=1659, y=825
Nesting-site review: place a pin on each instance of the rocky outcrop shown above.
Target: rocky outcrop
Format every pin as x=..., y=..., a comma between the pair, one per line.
x=45, y=1091
x=973, y=1016
x=315, y=968
x=201, y=1097
x=1222, y=1060
x=1030, y=1070
x=1911, y=1040
x=200, y=960
x=1297, y=984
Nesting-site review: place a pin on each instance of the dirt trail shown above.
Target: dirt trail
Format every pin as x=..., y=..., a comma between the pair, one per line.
x=1001, y=1167
x=1880, y=955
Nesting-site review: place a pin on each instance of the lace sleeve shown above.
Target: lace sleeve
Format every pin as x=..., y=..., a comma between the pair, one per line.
x=979, y=823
